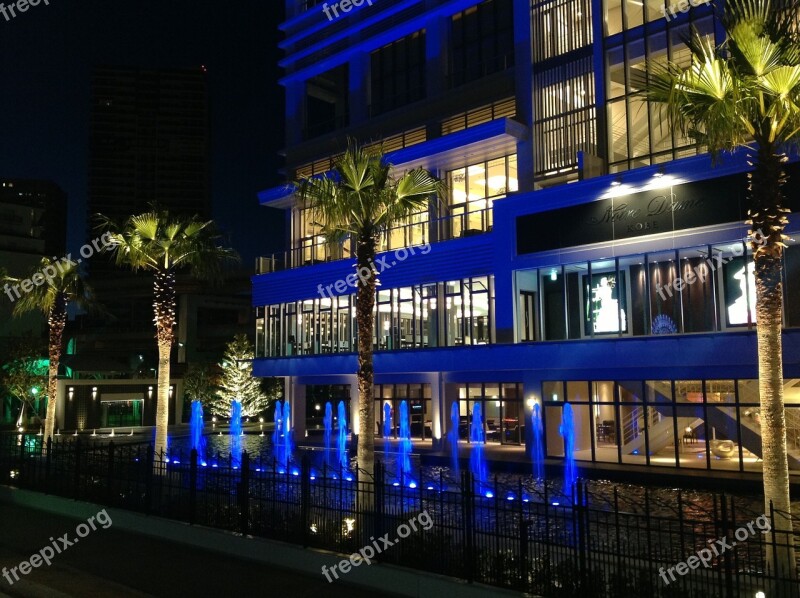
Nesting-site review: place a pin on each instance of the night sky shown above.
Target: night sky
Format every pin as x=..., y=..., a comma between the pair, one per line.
x=46, y=57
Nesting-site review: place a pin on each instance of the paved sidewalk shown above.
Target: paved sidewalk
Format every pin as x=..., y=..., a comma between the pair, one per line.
x=116, y=564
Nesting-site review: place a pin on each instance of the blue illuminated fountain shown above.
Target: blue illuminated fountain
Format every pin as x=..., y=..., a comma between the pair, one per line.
x=328, y=421
x=567, y=431
x=404, y=458
x=236, y=433
x=452, y=437
x=288, y=443
x=342, y=445
x=277, y=433
x=196, y=427
x=537, y=450
x=477, y=460
x=387, y=429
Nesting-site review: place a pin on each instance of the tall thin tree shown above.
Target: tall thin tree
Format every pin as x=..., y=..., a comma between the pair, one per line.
x=165, y=244
x=360, y=200
x=746, y=93
x=54, y=285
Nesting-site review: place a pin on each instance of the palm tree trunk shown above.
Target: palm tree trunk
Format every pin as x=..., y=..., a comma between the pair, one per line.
x=56, y=321
x=768, y=216
x=365, y=319
x=164, y=307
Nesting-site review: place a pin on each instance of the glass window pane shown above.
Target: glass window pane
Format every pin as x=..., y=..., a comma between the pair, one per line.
x=639, y=323
x=578, y=391
x=661, y=434
x=613, y=16
x=630, y=391
x=603, y=392
x=665, y=302
x=553, y=390
x=692, y=432
x=697, y=294
x=497, y=178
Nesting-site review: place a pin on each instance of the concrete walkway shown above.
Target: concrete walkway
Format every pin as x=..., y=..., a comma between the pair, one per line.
x=140, y=556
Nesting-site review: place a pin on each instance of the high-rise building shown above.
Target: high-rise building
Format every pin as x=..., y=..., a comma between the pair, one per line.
x=33, y=225
x=586, y=252
x=33, y=217
x=150, y=143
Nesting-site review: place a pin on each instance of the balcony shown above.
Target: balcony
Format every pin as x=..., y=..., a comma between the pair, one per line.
x=453, y=226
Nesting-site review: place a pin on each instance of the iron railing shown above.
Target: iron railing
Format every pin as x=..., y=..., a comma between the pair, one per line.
x=606, y=542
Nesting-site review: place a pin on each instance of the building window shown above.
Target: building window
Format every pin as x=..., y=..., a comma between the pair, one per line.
x=708, y=288
x=500, y=406
x=310, y=245
x=326, y=102
x=317, y=398
x=566, y=118
x=482, y=41
x=501, y=109
x=398, y=73
x=405, y=318
x=638, y=133
x=472, y=191
x=388, y=398
x=696, y=424
x=560, y=27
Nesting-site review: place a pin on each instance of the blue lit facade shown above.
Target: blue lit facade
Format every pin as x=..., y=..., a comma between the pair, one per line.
x=585, y=251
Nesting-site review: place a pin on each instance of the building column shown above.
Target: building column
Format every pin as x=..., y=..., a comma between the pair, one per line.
x=295, y=112
x=523, y=74
x=295, y=393
x=532, y=395
x=436, y=381
x=436, y=56
x=359, y=76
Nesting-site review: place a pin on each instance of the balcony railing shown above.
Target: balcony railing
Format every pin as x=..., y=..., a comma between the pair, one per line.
x=453, y=226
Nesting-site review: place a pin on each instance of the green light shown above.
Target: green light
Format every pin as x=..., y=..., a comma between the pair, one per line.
x=34, y=391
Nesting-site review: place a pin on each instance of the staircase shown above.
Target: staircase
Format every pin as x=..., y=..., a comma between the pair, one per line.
x=662, y=431
x=721, y=417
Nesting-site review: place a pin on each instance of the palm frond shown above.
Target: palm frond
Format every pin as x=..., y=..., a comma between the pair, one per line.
x=360, y=198
x=159, y=241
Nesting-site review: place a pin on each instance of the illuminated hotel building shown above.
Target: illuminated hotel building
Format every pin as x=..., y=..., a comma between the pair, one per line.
x=560, y=261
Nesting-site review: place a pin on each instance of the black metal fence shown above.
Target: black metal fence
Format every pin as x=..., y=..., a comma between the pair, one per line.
x=604, y=543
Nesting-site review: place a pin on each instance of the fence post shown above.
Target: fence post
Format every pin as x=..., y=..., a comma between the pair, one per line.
x=193, y=487
x=305, y=497
x=523, y=541
x=380, y=498
x=148, y=479
x=727, y=560
x=468, y=524
x=76, y=490
x=21, y=458
x=244, y=494
x=577, y=506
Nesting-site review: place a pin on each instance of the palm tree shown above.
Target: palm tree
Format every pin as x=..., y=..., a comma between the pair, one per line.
x=746, y=93
x=359, y=200
x=55, y=284
x=164, y=244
